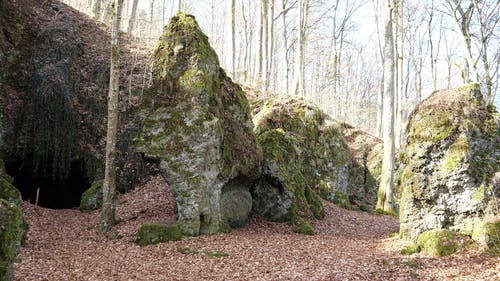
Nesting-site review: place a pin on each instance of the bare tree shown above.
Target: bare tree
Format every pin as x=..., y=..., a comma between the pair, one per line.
x=298, y=80
x=109, y=186
x=385, y=201
x=133, y=14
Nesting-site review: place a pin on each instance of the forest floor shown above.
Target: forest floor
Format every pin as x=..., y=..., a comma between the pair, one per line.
x=349, y=245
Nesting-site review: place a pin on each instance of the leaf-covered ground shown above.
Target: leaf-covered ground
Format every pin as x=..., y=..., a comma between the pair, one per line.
x=349, y=245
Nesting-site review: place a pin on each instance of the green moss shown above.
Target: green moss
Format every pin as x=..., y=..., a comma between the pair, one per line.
x=437, y=242
x=207, y=253
x=389, y=213
x=488, y=234
x=92, y=197
x=411, y=249
x=342, y=200
x=479, y=195
x=154, y=233
x=314, y=203
x=214, y=254
x=366, y=208
x=224, y=227
x=13, y=234
x=303, y=227
x=8, y=191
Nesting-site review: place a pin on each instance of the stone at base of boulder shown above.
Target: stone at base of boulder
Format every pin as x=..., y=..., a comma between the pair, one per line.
x=235, y=205
x=488, y=235
x=154, y=233
x=437, y=242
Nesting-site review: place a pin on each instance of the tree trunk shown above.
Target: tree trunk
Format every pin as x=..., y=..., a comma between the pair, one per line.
x=232, y=39
x=97, y=9
x=108, y=206
x=380, y=92
x=385, y=202
x=179, y=5
x=298, y=80
x=264, y=45
x=131, y=22
x=284, y=46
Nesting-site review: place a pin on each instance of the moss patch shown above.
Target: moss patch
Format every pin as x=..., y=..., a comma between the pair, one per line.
x=303, y=227
x=92, y=197
x=8, y=191
x=411, y=249
x=438, y=242
x=154, y=233
x=13, y=234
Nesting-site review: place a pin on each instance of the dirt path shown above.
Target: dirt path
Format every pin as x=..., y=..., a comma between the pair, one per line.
x=349, y=245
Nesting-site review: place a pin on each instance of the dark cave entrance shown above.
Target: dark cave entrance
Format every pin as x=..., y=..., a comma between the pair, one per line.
x=54, y=193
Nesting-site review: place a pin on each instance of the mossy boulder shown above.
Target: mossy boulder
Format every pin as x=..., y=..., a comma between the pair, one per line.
x=448, y=164
x=305, y=158
x=92, y=197
x=437, y=242
x=197, y=126
x=13, y=233
x=154, y=233
x=488, y=235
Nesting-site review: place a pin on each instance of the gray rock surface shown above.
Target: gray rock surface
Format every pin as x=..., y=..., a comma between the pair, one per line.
x=448, y=163
x=197, y=125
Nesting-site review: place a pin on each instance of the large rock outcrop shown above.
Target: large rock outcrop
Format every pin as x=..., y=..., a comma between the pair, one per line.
x=447, y=169
x=305, y=158
x=198, y=128
x=54, y=76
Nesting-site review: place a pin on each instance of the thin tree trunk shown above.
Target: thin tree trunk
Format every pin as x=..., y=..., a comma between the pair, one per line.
x=385, y=201
x=380, y=93
x=108, y=206
x=232, y=39
x=264, y=45
x=284, y=46
x=271, y=45
x=97, y=9
x=298, y=81
x=399, y=76
x=131, y=22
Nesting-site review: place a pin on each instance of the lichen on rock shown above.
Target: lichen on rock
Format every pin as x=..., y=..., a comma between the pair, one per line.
x=305, y=157
x=13, y=233
x=197, y=125
x=448, y=164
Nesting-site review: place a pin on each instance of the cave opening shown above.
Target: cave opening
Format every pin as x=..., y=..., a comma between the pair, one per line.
x=53, y=192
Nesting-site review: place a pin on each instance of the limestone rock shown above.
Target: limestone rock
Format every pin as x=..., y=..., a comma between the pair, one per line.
x=366, y=165
x=235, y=204
x=92, y=197
x=197, y=126
x=13, y=232
x=448, y=163
x=304, y=156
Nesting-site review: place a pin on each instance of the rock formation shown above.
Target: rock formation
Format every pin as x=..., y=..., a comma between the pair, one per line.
x=448, y=166
x=305, y=158
x=54, y=75
x=197, y=126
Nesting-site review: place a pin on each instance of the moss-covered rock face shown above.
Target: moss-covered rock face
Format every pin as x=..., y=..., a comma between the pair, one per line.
x=437, y=242
x=448, y=164
x=366, y=166
x=13, y=232
x=8, y=191
x=154, y=233
x=305, y=157
x=197, y=125
x=92, y=197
